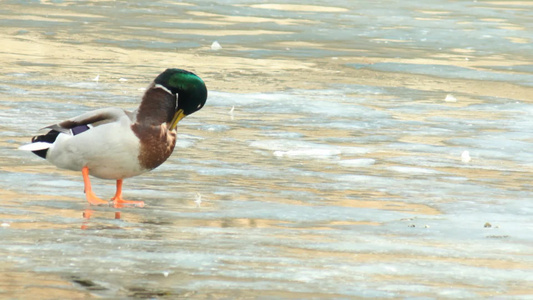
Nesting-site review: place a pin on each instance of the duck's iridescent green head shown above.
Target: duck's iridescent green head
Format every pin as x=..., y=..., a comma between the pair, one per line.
x=187, y=86
x=189, y=89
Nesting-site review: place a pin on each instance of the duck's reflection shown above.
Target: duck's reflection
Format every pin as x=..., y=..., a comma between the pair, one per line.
x=88, y=213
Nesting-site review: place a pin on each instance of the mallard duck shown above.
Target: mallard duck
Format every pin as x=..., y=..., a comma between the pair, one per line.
x=112, y=143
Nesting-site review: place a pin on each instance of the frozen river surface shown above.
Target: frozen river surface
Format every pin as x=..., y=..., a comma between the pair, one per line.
x=366, y=150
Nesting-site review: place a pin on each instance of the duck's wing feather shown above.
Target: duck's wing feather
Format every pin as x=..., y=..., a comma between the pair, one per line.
x=41, y=143
x=94, y=118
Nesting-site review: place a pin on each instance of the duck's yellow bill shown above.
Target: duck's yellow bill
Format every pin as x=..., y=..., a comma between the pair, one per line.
x=177, y=117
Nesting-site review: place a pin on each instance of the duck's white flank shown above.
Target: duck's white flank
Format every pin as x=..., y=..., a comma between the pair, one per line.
x=110, y=151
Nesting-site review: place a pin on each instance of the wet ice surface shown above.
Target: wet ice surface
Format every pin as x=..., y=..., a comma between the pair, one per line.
x=338, y=190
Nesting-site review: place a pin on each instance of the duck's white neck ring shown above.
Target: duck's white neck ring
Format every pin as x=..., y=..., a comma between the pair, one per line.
x=163, y=88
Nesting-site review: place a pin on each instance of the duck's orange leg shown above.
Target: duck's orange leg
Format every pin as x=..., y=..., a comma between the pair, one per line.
x=118, y=202
x=91, y=197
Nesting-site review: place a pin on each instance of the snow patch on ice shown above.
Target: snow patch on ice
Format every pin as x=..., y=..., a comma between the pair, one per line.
x=292, y=148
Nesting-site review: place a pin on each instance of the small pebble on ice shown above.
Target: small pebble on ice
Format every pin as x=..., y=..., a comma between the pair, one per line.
x=165, y=274
x=121, y=79
x=216, y=46
x=487, y=225
x=465, y=157
x=450, y=98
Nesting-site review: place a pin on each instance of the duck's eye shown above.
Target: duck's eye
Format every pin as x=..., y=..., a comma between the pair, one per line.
x=199, y=106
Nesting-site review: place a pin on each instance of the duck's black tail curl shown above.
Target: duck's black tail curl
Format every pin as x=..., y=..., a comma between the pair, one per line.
x=50, y=137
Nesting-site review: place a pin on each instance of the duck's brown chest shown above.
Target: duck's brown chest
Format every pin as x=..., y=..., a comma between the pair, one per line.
x=157, y=144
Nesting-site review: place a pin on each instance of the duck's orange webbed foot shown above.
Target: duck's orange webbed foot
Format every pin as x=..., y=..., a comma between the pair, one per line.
x=93, y=200
x=89, y=194
x=118, y=202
